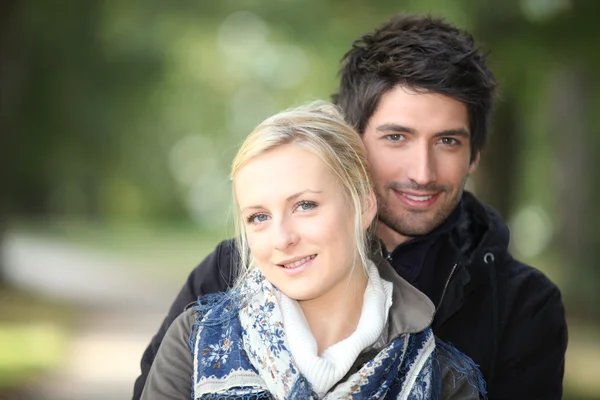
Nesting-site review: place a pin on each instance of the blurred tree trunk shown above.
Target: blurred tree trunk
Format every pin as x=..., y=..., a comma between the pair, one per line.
x=11, y=79
x=495, y=25
x=575, y=180
x=495, y=181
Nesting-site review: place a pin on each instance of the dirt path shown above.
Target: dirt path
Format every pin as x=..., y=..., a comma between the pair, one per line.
x=125, y=310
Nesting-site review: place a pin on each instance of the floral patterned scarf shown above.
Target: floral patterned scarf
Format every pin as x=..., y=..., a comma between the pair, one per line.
x=240, y=352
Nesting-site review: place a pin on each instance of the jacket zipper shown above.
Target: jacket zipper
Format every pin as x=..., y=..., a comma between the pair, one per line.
x=446, y=287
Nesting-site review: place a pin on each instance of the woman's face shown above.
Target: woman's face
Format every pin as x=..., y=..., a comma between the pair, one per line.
x=299, y=223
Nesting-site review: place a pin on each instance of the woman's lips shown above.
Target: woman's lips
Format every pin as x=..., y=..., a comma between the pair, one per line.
x=297, y=266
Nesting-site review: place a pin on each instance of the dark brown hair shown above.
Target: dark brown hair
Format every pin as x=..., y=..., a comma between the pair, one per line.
x=425, y=54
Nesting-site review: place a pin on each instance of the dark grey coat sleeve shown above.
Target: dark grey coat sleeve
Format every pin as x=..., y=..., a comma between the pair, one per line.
x=454, y=385
x=170, y=377
x=457, y=388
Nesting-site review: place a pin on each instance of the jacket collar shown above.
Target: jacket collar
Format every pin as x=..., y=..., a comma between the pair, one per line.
x=479, y=238
x=411, y=310
x=409, y=258
x=480, y=230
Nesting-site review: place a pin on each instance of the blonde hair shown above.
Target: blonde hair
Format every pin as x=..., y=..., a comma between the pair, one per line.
x=319, y=128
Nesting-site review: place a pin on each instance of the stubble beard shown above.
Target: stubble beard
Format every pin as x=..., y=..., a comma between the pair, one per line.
x=414, y=223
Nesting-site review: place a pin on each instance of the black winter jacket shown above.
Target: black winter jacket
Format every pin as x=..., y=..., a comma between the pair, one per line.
x=505, y=315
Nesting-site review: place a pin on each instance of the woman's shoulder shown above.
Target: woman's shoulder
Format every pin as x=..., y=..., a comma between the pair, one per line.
x=172, y=368
x=215, y=307
x=219, y=311
x=185, y=320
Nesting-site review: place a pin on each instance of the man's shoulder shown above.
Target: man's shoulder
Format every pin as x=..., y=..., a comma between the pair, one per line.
x=491, y=248
x=518, y=275
x=226, y=247
x=222, y=256
x=525, y=291
x=217, y=271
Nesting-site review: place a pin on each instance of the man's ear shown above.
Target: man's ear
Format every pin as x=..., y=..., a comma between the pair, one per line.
x=474, y=163
x=369, y=210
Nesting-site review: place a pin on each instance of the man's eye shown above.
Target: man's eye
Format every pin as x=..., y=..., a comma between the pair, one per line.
x=396, y=137
x=448, y=141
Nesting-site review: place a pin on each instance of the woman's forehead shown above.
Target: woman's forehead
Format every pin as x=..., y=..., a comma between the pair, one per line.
x=281, y=173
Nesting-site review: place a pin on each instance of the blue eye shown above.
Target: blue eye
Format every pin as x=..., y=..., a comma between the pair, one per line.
x=306, y=205
x=257, y=218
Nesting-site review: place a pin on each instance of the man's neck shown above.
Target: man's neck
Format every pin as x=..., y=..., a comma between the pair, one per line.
x=390, y=238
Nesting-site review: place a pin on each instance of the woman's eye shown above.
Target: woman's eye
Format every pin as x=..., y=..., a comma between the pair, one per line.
x=257, y=218
x=306, y=205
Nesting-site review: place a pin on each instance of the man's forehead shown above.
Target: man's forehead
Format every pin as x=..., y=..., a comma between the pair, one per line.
x=419, y=112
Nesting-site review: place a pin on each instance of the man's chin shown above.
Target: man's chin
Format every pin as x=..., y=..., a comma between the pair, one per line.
x=414, y=233
x=411, y=227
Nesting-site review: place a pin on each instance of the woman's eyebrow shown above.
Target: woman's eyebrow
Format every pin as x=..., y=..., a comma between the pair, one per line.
x=288, y=199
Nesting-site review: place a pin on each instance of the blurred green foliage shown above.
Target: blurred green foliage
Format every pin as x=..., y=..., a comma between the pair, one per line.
x=133, y=110
x=33, y=336
x=130, y=112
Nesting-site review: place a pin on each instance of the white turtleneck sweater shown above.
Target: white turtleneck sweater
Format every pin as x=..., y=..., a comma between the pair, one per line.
x=333, y=364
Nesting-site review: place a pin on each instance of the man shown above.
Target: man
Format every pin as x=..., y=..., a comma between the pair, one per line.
x=420, y=94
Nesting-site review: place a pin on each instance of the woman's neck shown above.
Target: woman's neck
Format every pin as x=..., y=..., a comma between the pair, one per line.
x=334, y=316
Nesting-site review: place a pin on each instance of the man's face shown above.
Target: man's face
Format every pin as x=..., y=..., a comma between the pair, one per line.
x=419, y=149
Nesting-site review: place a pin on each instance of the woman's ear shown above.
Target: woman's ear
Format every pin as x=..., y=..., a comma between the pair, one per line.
x=369, y=210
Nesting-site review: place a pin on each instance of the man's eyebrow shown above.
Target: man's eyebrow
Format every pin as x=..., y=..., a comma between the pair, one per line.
x=289, y=198
x=395, y=128
x=454, y=132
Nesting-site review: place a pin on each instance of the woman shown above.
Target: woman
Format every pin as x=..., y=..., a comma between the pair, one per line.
x=313, y=315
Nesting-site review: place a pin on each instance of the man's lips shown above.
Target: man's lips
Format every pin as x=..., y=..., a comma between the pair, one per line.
x=296, y=262
x=417, y=199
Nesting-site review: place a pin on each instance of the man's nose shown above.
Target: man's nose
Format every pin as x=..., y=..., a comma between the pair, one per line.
x=421, y=167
